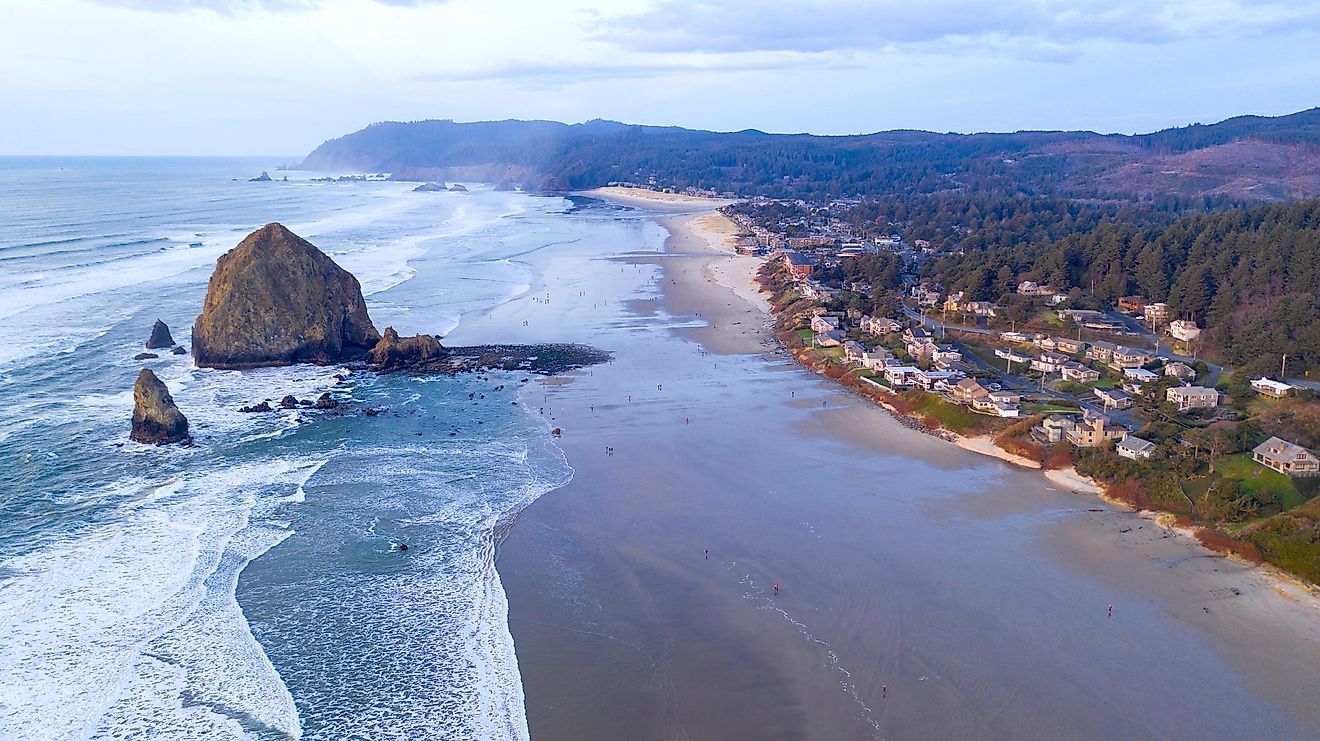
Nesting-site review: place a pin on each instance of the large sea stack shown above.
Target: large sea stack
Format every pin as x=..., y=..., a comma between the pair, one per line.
x=160, y=336
x=275, y=299
x=156, y=420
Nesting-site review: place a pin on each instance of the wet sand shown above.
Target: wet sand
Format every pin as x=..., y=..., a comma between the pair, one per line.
x=926, y=591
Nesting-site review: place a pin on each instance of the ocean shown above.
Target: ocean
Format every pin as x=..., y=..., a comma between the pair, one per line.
x=250, y=586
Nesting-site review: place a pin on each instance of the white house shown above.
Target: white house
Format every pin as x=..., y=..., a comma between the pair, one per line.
x=1140, y=375
x=823, y=324
x=1193, y=397
x=1135, y=448
x=877, y=359
x=1181, y=329
x=901, y=376
x=1271, y=387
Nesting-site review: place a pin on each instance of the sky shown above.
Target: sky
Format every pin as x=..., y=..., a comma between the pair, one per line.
x=278, y=77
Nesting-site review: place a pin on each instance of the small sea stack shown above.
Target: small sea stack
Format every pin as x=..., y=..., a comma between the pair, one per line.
x=156, y=419
x=431, y=188
x=160, y=336
x=397, y=352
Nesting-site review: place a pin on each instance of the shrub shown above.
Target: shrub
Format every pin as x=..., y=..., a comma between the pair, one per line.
x=1217, y=541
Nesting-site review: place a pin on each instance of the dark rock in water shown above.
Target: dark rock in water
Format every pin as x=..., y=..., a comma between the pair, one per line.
x=556, y=432
x=275, y=299
x=504, y=186
x=156, y=420
x=393, y=351
x=430, y=188
x=289, y=402
x=178, y=350
x=371, y=411
x=457, y=188
x=146, y=356
x=262, y=407
x=326, y=402
x=305, y=402
x=264, y=177
x=160, y=336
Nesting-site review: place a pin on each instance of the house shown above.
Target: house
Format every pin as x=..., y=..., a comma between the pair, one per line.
x=832, y=338
x=1067, y=346
x=1078, y=373
x=983, y=308
x=946, y=354
x=997, y=403
x=1135, y=448
x=1192, y=397
x=823, y=324
x=1050, y=362
x=954, y=301
x=921, y=349
x=1055, y=428
x=1028, y=288
x=877, y=359
x=1132, y=304
x=879, y=325
x=1078, y=316
x=1181, y=329
x=1094, y=431
x=1013, y=356
x=1286, y=458
x=968, y=390
x=853, y=350
x=1140, y=375
x=1101, y=351
x=1156, y=313
x=932, y=379
x=900, y=376
x=799, y=264
x=1057, y=298
x=1127, y=357
x=1114, y=398
x=1180, y=371
x=1270, y=387
x=1016, y=337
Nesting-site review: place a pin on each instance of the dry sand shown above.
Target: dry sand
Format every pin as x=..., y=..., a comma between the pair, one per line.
x=968, y=589
x=654, y=200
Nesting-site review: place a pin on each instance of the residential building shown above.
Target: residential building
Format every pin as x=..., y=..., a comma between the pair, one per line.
x=1128, y=357
x=1132, y=304
x=800, y=264
x=1114, y=398
x=1286, y=458
x=946, y=354
x=1181, y=329
x=1050, y=362
x=832, y=338
x=1180, y=371
x=853, y=350
x=1140, y=375
x=968, y=391
x=1055, y=428
x=1101, y=351
x=877, y=359
x=933, y=379
x=1078, y=373
x=1135, y=448
x=1079, y=316
x=879, y=325
x=1068, y=346
x=983, y=308
x=1192, y=397
x=1012, y=356
x=900, y=376
x=1156, y=313
x=1270, y=387
x=822, y=324
x=1094, y=431
x=1016, y=337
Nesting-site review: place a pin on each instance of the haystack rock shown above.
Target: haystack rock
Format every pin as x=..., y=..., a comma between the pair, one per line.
x=160, y=336
x=156, y=420
x=398, y=352
x=275, y=299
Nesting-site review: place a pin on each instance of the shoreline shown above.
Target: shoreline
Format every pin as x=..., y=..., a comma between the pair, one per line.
x=624, y=629
x=654, y=200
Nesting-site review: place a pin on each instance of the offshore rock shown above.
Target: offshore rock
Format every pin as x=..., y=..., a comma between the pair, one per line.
x=178, y=350
x=262, y=407
x=156, y=420
x=430, y=188
x=264, y=177
x=146, y=356
x=393, y=352
x=275, y=299
x=458, y=188
x=160, y=336
x=326, y=402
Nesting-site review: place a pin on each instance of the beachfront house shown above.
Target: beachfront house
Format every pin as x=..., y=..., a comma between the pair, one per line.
x=1286, y=458
x=1054, y=428
x=1078, y=373
x=823, y=324
x=968, y=390
x=1180, y=371
x=800, y=265
x=933, y=380
x=1114, y=398
x=879, y=325
x=1135, y=448
x=853, y=350
x=1192, y=397
x=1271, y=388
x=877, y=359
x=901, y=376
x=1094, y=431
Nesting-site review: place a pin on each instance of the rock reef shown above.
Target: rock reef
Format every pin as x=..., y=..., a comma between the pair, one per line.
x=160, y=336
x=394, y=352
x=275, y=299
x=156, y=420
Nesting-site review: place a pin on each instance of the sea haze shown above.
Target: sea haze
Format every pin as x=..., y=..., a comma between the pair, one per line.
x=250, y=586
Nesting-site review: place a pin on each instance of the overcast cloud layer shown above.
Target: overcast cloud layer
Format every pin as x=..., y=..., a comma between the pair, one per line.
x=280, y=76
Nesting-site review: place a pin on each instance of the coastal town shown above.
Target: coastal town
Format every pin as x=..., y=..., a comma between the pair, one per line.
x=1121, y=393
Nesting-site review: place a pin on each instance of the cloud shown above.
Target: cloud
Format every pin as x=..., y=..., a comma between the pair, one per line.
x=239, y=7
x=1046, y=29
x=559, y=72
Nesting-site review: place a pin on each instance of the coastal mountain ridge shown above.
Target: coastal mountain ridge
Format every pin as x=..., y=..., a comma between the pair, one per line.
x=1245, y=158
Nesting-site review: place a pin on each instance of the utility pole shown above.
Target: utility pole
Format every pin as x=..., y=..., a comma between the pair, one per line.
x=1283, y=369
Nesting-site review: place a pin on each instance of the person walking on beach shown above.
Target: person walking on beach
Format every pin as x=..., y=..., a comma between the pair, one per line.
x=707, y=554
x=1111, y=611
x=776, y=587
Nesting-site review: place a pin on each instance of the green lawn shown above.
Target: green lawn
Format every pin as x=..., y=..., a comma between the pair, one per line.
x=1259, y=480
x=806, y=334
x=954, y=417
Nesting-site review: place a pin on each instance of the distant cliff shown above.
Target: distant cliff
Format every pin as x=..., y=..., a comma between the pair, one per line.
x=276, y=299
x=1248, y=158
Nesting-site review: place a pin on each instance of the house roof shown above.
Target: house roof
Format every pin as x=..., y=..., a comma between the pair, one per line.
x=1192, y=391
x=1113, y=394
x=1136, y=444
x=1270, y=383
x=1280, y=449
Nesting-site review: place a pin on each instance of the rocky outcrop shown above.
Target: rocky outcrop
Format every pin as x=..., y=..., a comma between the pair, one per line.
x=430, y=188
x=393, y=351
x=178, y=350
x=261, y=407
x=146, y=356
x=156, y=420
x=458, y=188
x=275, y=299
x=264, y=177
x=160, y=336
x=325, y=401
